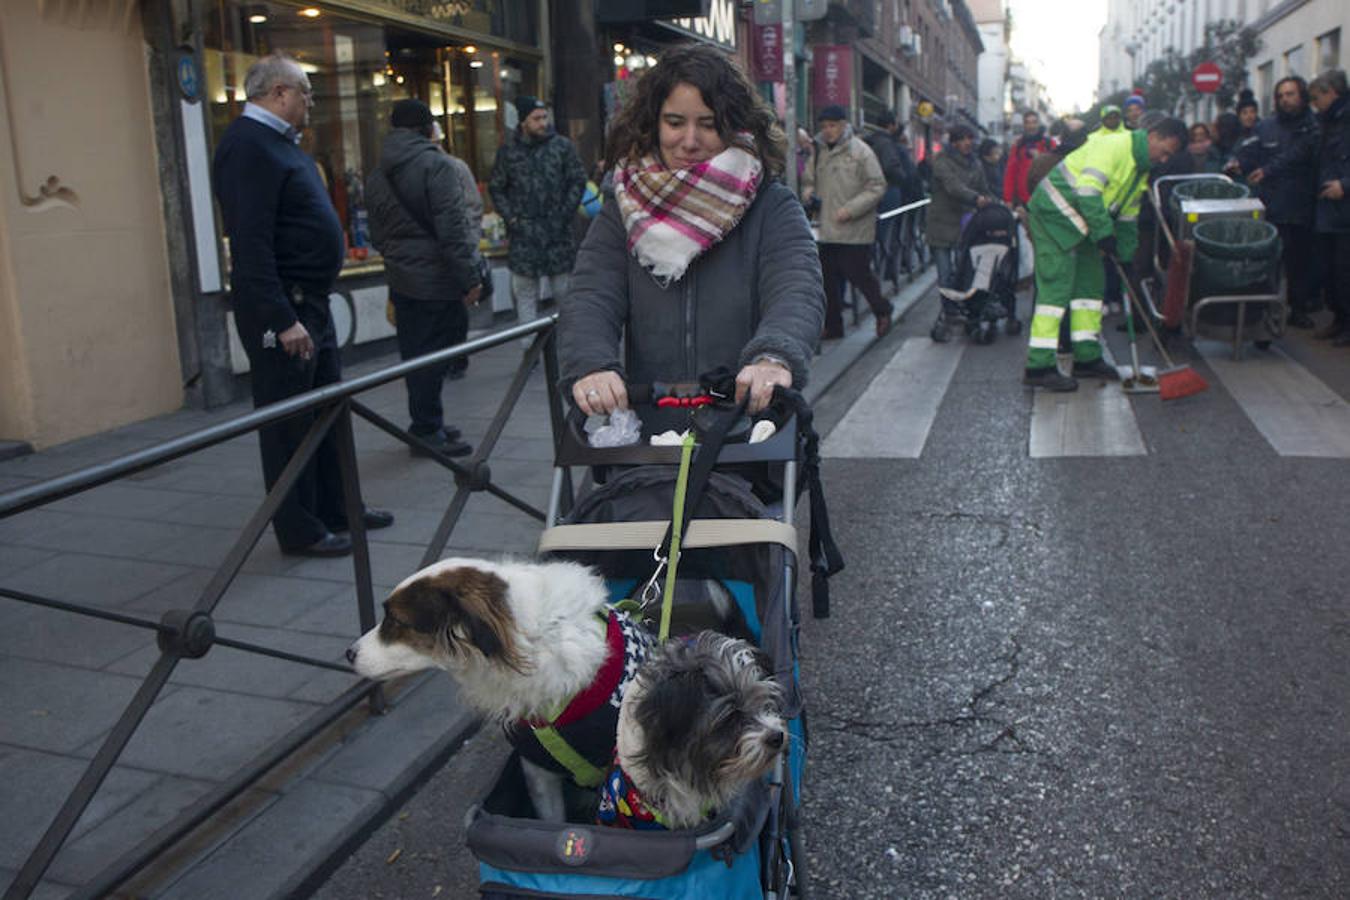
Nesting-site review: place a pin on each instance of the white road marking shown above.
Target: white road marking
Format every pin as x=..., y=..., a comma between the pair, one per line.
x=1291, y=407
x=1095, y=420
x=892, y=418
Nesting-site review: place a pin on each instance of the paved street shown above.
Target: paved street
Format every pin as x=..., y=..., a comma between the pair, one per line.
x=1117, y=668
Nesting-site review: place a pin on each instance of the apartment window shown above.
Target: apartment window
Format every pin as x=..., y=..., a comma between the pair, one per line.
x=1329, y=50
x=1265, y=83
x=1294, y=62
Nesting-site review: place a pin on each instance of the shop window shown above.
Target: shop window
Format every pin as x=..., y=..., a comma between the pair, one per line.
x=358, y=70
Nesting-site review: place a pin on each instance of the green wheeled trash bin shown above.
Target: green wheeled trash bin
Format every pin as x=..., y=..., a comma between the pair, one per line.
x=1234, y=256
x=1202, y=189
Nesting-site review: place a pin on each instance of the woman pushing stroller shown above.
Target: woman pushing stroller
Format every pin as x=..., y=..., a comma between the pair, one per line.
x=706, y=259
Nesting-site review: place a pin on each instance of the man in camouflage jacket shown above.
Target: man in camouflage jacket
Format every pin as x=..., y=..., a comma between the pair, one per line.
x=537, y=182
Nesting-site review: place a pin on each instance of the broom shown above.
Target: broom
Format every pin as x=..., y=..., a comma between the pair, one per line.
x=1178, y=283
x=1175, y=381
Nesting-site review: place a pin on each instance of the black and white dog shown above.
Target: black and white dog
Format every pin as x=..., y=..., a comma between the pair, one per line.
x=701, y=721
x=535, y=646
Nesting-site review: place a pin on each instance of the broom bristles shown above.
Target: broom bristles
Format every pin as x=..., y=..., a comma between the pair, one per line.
x=1183, y=381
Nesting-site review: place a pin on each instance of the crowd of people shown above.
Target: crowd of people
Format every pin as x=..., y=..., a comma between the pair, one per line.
x=698, y=203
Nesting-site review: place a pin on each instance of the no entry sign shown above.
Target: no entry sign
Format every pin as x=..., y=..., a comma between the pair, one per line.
x=1206, y=77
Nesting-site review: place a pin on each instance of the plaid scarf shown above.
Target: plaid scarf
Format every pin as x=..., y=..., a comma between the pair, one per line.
x=673, y=215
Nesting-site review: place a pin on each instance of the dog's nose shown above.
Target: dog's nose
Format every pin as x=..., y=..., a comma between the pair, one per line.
x=351, y=654
x=775, y=740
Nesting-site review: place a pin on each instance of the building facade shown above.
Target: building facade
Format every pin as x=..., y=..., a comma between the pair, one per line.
x=114, y=270
x=1298, y=37
x=994, y=103
x=1137, y=32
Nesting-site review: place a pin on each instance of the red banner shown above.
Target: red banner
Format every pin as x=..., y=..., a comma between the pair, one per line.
x=832, y=82
x=768, y=49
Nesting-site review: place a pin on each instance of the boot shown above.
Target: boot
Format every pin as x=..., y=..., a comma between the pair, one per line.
x=1098, y=368
x=1049, y=380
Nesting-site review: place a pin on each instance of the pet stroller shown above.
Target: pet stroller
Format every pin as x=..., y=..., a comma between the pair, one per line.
x=984, y=288
x=737, y=573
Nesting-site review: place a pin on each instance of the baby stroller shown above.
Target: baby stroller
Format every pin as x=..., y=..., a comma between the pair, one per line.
x=736, y=546
x=984, y=288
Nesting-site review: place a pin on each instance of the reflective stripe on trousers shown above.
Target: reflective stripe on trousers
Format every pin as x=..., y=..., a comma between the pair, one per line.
x=1069, y=280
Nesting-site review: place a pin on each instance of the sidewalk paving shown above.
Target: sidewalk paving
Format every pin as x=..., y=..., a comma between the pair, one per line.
x=149, y=543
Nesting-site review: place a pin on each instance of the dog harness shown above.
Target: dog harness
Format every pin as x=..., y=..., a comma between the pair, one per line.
x=583, y=731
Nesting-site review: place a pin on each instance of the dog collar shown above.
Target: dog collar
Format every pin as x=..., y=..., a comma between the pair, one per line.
x=622, y=806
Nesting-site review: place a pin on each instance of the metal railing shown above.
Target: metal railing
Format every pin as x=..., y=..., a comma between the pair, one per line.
x=900, y=247
x=190, y=633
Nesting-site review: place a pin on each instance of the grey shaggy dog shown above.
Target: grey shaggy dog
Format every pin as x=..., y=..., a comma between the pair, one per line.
x=701, y=721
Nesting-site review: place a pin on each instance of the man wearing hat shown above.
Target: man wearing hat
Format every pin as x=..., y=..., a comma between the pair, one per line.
x=537, y=182
x=418, y=222
x=849, y=182
x=1134, y=108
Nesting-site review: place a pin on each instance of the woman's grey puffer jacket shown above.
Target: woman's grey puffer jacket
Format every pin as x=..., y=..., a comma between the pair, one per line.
x=758, y=291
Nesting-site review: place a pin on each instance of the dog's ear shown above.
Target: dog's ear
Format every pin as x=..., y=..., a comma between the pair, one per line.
x=668, y=707
x=475, y=609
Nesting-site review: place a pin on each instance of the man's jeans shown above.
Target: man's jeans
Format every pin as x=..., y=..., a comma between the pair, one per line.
x=945, y=258
x=526, y=289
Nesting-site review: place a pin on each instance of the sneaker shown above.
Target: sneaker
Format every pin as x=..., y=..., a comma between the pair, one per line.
x=1098, y=368
x=1049, y=380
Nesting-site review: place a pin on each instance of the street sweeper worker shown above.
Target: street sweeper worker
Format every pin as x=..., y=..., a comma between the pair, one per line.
x=1087, y=207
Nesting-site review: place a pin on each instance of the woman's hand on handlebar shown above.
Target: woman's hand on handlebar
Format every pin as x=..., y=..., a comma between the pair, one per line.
x=600, y=393
x=758, y=379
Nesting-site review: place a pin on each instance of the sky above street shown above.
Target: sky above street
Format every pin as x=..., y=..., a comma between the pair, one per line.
x=1059, y=39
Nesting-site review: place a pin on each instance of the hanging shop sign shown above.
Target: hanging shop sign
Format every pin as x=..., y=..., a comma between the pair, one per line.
x=717, y=27
x=768, y=52
x=925, y=110
x=832, y=81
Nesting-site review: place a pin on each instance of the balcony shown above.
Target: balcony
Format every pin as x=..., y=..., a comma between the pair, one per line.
x=861, y=14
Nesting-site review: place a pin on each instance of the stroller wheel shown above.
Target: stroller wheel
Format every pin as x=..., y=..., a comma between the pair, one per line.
x=986, y=333
x=940, y=333
x=1013, y=325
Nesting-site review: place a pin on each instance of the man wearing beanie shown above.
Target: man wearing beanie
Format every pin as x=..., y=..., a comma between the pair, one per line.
x=418, y=222
x=537, y=182
x=1134, y=109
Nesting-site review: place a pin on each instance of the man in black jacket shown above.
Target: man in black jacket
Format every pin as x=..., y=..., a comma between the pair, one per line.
x=1331, y=99
x=901, y=174
x=417, y=222
x=286, y=249
x=1280, y=158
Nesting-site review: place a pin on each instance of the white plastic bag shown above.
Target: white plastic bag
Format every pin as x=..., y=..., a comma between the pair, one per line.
x=620, y=429
x=1026, y=255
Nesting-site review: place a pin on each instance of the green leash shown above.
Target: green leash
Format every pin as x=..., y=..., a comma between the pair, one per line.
x=676, y=528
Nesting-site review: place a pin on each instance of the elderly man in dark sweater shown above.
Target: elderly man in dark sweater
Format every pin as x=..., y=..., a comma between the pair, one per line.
x=286, y=248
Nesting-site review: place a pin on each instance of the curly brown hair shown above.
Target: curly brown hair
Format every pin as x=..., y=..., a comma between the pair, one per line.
x=736, y=106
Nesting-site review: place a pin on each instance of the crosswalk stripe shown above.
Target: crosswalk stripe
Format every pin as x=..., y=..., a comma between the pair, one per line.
x=1295, y=412
x=1095, y=420
x=892, y=418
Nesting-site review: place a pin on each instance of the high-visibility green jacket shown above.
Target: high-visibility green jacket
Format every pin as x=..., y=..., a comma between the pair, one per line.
x=1103, y=131
x=1096, y=191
